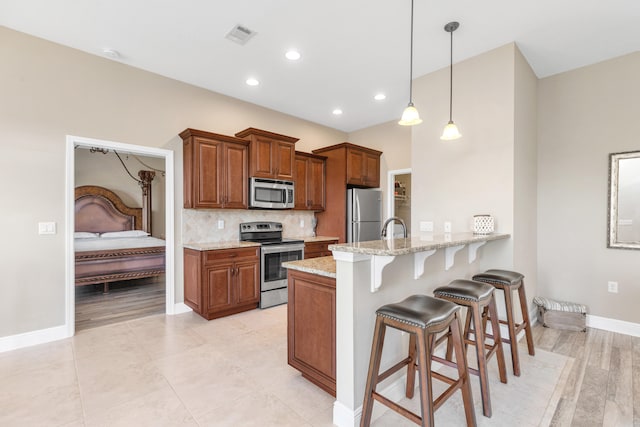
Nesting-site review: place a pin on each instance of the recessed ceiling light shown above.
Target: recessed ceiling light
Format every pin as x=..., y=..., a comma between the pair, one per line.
x=292, y=55
x=380, y=97
x=337, y=111
x=252, y=82
x=111, y=53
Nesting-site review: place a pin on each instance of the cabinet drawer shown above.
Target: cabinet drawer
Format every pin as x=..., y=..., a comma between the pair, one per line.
x=231, y=254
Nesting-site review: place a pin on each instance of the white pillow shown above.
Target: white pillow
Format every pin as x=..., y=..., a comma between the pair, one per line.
x=127, y=233
x=85, y=235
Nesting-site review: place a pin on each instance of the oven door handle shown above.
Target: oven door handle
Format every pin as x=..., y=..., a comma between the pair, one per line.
x=282, y=248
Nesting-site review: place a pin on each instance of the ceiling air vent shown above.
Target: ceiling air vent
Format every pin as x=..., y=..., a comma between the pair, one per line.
x=240, y=34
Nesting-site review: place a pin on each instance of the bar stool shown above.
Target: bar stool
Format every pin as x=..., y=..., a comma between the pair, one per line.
x=422, y=317
x=476, y=297
x=509, y=281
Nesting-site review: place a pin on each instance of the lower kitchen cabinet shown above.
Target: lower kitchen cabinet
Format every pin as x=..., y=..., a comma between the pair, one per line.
x=221, y=282
x=312, y=328
x=318, y=249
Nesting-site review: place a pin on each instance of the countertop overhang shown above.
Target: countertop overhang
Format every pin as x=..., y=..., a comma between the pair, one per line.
x=383, y=252
x=322, y=266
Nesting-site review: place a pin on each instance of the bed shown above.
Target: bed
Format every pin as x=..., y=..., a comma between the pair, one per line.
x=112, y=241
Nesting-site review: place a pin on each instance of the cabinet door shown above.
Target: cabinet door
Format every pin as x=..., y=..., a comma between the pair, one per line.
x=207, y=162
x=284, y=155
x=236, y=177
x=247, y=282
x=301, y=199
x=262, y=159
x=316, y=184
x=371, y=176
x=219, y=290
x=355, y=167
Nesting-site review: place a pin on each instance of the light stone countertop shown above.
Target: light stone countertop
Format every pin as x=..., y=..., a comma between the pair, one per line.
x=318, y=239
x=393, y=247
x=322, y=266
x=212, y=246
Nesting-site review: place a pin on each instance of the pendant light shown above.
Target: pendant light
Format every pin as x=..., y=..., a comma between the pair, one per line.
x=450, y=131
x=410, y=114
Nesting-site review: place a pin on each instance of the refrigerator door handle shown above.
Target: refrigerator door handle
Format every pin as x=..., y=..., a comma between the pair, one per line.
x=356, y=207
x=356, y=232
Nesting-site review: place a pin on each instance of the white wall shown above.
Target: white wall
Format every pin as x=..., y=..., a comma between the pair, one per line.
x=454, y=180
x=584, y=115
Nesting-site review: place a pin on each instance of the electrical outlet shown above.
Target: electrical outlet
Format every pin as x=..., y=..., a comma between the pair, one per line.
x=302, y=223
x=220, y=224
x=447, y=227
x=426, y=226
x=612, y=287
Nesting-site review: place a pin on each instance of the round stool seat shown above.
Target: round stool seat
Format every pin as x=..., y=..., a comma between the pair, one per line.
x=502, y=277
x=419, y=310
x=466, y=290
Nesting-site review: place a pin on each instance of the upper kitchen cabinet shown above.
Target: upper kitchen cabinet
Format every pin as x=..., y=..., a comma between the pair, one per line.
x=360, y=166
x=215, y=170
x=310, y=181
x=271, y=155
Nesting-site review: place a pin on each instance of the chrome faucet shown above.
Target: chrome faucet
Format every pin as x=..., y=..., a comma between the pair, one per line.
x=383, y=232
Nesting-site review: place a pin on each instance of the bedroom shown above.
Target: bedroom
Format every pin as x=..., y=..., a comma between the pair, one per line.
x=134, y=294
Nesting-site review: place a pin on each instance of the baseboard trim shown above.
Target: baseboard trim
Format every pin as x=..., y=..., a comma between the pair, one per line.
x=180, y=308
x=613, y=325
x=27, y=339
x=345, y=417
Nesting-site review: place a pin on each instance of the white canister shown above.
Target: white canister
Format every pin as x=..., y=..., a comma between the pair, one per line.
x=483, y=224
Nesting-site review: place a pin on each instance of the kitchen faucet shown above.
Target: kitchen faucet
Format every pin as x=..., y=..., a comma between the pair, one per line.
x=383, y=232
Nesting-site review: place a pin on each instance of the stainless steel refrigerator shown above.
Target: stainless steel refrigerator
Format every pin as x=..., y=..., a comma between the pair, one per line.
x=364, y=215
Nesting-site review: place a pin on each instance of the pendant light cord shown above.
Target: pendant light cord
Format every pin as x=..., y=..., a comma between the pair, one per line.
x=411, y=61
x=451, y=80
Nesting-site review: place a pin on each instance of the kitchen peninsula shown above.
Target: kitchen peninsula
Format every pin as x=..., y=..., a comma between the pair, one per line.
x=371, y=274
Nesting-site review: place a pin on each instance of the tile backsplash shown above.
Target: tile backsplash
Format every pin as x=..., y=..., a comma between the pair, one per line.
x=201, y=225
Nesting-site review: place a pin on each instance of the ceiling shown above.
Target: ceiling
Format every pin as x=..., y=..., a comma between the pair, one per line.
x=351, y=49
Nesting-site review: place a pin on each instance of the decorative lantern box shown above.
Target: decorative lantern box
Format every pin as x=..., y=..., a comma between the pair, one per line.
x=483, y=224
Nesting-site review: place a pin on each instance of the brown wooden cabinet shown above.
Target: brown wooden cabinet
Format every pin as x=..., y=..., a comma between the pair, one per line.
x=215, y=170
x=271, y=155
x=311, y=336
x=347, y=165
x=310, y=181
x=318, y=249
x=363, y=167
x=221, y=282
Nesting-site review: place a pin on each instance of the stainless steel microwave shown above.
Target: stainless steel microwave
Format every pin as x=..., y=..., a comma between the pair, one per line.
x=268, y=193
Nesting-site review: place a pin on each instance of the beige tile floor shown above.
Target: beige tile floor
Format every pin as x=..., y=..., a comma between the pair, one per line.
x=183, y=370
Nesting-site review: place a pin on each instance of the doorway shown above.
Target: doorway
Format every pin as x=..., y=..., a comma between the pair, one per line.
x=167, y=231
x=399, y=200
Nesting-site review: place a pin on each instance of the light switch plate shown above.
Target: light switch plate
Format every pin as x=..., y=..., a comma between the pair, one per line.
x=426, y=226
x=220, y=224
x=447, y=227
x=46, y=228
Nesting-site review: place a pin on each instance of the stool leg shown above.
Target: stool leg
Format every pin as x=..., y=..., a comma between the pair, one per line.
x=525, y=319
x=463, y=374
x=513, y=338
x=374, y=369
x=411, y=367
x=497, y=340
x=424, y=371
x=481, y=359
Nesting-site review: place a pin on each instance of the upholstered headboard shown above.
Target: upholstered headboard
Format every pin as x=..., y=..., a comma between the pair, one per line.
x=99, y=210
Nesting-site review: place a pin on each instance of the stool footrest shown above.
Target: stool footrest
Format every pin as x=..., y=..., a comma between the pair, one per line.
x=399, y=409
x=395, y=368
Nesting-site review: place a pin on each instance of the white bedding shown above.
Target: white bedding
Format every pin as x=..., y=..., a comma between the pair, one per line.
x=102, y=244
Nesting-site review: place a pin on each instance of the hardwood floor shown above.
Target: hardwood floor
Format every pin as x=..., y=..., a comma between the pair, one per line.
x=127, y=300
x=603, y=387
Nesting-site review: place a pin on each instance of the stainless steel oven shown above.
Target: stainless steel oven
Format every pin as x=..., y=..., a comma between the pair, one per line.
x=274, y=250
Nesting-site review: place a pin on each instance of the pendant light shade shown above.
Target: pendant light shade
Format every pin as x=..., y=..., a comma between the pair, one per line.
x=450, y=131
x=410, y=114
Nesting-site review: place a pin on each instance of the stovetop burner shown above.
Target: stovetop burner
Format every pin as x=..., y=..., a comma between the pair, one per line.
x=265, y=233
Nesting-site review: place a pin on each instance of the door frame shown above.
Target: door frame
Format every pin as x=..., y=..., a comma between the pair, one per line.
x=76, y=141
x=391, y=178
